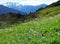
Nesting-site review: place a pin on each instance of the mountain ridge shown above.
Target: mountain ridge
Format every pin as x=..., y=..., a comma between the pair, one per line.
x=4, y=10
x=54, y=4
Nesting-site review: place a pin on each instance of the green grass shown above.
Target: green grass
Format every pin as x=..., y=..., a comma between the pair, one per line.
x=44, y=30
x=49, y=11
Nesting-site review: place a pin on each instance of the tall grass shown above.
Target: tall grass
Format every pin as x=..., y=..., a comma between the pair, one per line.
x=44, y=30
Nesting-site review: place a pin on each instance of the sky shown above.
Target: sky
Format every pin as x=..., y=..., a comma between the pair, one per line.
x=29, y=2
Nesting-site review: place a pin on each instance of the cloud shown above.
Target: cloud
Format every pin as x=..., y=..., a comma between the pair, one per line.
x=29, y=2
x=35, y=2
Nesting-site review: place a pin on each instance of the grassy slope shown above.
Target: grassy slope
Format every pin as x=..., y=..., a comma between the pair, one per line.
x=43, y=30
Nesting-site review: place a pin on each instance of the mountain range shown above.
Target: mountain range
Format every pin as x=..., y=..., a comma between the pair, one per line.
x=18, y=8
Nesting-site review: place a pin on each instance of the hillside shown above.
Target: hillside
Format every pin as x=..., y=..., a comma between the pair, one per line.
x=44, y=29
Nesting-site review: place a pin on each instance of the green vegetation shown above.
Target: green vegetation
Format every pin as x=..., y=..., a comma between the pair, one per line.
x=42, y=30
x=51, y=11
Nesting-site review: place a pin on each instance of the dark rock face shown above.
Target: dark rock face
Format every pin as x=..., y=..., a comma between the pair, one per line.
x=55, y=4
x=34, y=15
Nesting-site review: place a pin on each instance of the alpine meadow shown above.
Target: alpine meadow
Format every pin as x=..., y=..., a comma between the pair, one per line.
x=26, y=24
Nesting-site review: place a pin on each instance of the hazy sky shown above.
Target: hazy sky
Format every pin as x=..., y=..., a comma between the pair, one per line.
x=29, y=2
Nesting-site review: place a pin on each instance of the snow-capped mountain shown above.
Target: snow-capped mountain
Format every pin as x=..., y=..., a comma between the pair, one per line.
x=24, y=8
